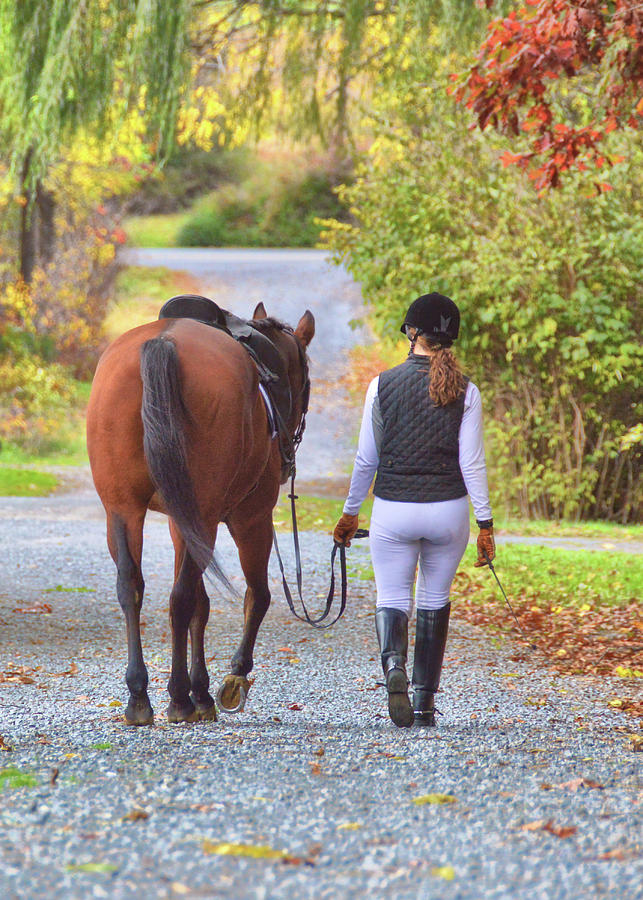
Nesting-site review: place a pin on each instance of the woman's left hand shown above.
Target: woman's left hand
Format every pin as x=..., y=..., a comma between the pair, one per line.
x=345, y=529
x=486, y=544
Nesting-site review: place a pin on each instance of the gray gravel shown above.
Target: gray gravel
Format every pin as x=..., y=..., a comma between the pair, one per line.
x=312, y=768
x=312, y=753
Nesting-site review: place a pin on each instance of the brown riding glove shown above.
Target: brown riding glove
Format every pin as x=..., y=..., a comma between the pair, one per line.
x=485, y=542
x=345, y=529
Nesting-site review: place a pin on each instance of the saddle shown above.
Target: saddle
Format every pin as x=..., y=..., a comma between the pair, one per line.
x=273, y=375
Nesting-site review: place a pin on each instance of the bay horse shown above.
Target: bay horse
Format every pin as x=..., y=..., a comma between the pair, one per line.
x=176, y=423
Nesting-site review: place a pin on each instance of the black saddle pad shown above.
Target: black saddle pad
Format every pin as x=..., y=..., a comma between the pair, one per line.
x=193, y=306
x=270, y=366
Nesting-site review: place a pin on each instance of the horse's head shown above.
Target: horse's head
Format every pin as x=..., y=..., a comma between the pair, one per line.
x=292, y=345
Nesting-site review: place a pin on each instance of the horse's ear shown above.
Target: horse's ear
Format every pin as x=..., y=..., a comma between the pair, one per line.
x=260, y=312
x=305, y=330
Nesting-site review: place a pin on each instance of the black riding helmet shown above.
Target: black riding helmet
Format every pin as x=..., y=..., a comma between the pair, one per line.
x=435, y=316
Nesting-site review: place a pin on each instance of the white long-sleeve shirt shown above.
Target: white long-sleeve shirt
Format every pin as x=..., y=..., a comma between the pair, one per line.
x=471, y=452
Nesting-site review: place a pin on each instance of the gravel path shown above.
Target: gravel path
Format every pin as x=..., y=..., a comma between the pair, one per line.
x=312, y=768
x=546, y=790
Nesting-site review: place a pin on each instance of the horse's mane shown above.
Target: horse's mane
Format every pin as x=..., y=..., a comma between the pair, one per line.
x=269, y=322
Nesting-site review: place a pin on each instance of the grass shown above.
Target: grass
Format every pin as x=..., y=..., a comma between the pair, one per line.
x=14, y=778
x=315, y=513
x=557, y=577
x=548, y=528
x=155, y=231
x=25, y=482
x=529, y=573
x=323, y=512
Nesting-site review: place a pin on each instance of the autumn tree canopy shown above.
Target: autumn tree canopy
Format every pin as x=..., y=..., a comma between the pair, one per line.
x=518, y=82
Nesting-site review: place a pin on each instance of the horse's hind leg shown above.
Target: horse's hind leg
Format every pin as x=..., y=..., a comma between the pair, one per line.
x=125, y=541
x=254, y=542
x=183, y=605
x=199, y=678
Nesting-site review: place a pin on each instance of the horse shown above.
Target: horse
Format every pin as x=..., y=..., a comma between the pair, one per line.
x=176, y=423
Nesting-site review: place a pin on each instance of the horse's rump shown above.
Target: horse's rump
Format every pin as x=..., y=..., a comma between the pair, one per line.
x=191, y=433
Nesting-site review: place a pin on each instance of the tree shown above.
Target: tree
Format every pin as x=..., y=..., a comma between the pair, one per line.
x=517, y=83
x=65, y=66
x=306, y=67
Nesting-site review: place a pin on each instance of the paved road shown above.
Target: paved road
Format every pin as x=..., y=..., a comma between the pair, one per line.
x=527, y=789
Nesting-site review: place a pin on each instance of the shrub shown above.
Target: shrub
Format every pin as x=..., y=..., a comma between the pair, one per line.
x=270, y=209
x=550, y=294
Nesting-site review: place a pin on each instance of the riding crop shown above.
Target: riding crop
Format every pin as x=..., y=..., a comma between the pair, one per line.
x=523, y=635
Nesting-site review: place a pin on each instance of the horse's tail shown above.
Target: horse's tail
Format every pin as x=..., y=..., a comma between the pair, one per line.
x=165, y=419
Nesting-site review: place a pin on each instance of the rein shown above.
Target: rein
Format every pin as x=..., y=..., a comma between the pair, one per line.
x=306, y=617
x=288, y=447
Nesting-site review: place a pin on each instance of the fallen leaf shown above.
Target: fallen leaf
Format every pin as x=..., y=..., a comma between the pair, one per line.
x=349, y=826
x=136, y=815
x=315, y=768
x=637, y=742
x=55, y=772
x=92, y=867
x=561, y=831
x=575, y=783
x=295, y=706
x=256, y=851
x=617, y=853
x=446, y=872
x=72, y=670
x=436, y=799
x=178, y=888
x=319, y=751
x=4, y=745
x=114, y=703
x=36, y=608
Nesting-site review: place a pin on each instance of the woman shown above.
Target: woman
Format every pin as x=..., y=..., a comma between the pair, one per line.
x=422, y=433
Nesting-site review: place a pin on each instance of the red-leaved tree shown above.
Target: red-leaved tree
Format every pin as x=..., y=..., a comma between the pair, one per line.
x=510, y=86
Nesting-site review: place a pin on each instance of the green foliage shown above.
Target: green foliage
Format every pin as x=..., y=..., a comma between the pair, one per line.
x=270, y=209
x=36, y=403
x=25, y=483
x=549, y=289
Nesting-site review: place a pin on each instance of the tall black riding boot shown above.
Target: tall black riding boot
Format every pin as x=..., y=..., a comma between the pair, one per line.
x=393, y=634
x=430, y=640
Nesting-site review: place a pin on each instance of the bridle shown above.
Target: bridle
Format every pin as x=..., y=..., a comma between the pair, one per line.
x=289, y=446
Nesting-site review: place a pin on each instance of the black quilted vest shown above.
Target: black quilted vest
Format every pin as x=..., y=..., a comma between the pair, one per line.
x=419, y=454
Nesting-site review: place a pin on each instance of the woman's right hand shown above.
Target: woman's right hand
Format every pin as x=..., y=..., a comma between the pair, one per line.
x=486, y=544
x=345, y=529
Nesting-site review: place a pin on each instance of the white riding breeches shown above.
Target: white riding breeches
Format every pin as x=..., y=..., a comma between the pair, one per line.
x=403, y=534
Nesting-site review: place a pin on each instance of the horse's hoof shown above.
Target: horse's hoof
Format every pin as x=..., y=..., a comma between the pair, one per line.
x=187, y=713
x=232, y=693
x=139, y=713
x=206, y=712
